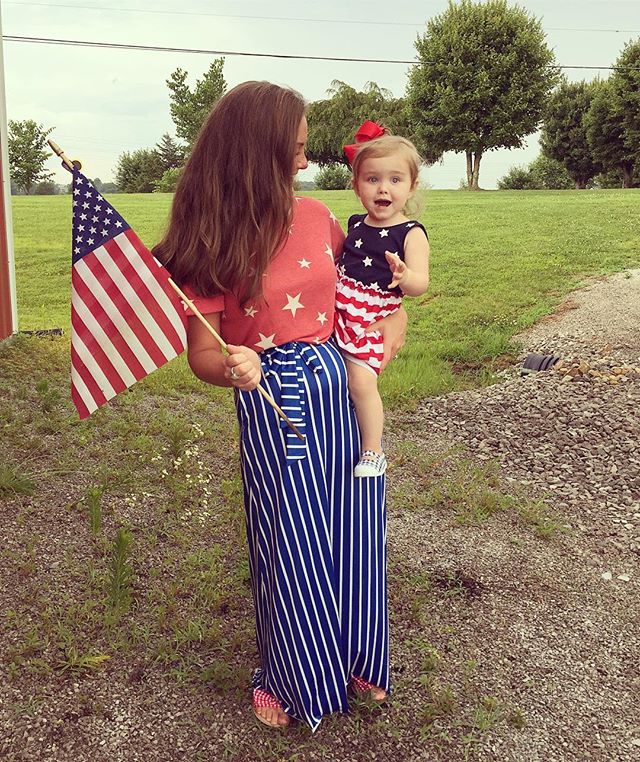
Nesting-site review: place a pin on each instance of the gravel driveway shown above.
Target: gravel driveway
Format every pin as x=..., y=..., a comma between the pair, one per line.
x=563, y=621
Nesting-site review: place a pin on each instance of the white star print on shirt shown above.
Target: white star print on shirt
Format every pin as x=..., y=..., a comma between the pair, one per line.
x=328, y=250
x=410, y=224
x=250, y=311
x=332, y=217
x=384, y=234
x=358, y=243
x=304, y=263
x=266, y=342
x=367, y=261
x=322, y=318
x=293, y=303
x=357, y=224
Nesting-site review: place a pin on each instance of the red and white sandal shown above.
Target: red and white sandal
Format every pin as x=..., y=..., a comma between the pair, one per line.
x=360, y=685
x=264, y=700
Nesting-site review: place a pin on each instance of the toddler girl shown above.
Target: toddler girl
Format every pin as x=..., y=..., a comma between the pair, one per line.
x=386, y=255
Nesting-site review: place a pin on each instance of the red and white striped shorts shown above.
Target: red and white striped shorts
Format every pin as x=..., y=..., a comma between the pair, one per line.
x=357, y=307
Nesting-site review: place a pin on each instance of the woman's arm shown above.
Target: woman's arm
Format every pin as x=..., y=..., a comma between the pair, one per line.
x=394, y=332
x=209, y=364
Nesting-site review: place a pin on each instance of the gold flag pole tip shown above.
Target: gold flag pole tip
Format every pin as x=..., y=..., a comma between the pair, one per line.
x=67, y=163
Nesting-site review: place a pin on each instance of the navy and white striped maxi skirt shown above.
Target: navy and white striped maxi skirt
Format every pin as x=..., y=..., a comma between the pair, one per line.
x=316, y=535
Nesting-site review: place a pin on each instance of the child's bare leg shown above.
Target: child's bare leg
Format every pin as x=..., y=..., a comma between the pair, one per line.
x=363, y=388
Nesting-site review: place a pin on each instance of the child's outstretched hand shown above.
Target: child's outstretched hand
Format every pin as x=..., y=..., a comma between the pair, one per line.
x=398, y=268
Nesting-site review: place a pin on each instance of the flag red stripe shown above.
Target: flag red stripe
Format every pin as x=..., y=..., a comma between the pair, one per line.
x=89, y=381
x=102, y=318
x=123, y=306
x=98, y=354
x=162, y=275
x=140, y=287
x=83, y=410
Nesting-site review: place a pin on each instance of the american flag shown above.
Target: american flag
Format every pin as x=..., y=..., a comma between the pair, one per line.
x=126, y=321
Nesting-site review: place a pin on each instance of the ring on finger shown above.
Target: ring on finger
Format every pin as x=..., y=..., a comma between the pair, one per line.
x=233, y=375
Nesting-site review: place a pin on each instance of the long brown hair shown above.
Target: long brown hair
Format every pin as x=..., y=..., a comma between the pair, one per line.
x=232, y=207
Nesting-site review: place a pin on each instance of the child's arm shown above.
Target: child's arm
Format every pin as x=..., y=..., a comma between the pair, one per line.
x=412, y=275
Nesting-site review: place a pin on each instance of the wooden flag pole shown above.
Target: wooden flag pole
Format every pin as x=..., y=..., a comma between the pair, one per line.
x=59, y=152
x=223, y=344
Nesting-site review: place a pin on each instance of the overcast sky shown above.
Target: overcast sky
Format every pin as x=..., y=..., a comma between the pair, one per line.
x=104, y=102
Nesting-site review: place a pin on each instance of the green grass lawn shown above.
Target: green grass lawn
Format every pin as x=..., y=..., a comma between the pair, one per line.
x=125, y=557
x=499, y=261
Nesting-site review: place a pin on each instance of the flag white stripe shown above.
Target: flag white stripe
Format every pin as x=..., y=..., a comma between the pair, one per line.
x=135, y=302
x=96, y=329
x=83, y=392
x=159, y=294
x=113, y=313
x=93, y=367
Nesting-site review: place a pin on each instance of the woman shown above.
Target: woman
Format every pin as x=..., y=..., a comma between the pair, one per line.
x=261, y=265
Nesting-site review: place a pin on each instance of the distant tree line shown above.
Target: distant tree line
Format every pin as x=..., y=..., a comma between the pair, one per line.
x=592, y=130
x=485, y=79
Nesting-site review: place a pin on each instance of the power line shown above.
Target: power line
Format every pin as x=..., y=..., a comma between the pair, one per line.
x=162, y=49
x=287, y=56
x=359, y=22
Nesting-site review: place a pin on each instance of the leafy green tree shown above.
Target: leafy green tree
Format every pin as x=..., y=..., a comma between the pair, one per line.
x=172, y=155
x=138, y=172
x=483, y=77
x=604, y=123
x=28, y=153
x=189, y=108
x=333, y=122
x=564, y=134
x=627, y=90
x=333, y=177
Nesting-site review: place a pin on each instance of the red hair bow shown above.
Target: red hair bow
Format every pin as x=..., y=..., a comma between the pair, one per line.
x=367, y=131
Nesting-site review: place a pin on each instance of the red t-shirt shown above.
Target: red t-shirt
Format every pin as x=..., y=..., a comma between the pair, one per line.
x=299, y=291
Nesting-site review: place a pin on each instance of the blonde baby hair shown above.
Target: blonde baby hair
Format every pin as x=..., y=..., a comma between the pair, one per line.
x=386, y=145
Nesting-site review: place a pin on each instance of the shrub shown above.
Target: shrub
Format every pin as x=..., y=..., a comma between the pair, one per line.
x=333, y=177
x=168, y=182
x=542, y=174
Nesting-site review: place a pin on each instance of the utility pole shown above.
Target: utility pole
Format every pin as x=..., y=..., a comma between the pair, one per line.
x=8, y=303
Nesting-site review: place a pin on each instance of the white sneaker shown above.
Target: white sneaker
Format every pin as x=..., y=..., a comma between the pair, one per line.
x=371, y=464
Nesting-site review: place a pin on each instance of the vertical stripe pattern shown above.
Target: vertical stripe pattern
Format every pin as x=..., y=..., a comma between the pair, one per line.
x=316, y=535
